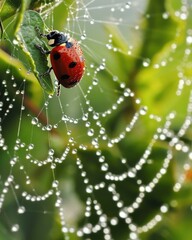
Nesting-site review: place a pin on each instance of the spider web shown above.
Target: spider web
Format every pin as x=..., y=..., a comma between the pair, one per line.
x=96, y=162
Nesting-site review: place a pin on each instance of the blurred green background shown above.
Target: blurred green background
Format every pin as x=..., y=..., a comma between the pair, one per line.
x=151, y=55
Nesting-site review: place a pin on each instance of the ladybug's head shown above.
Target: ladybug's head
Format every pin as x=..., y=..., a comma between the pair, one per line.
x=56, y=38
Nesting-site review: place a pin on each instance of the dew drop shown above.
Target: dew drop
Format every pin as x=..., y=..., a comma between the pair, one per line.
x=131, y=174
x=28, y=182
x=90, y=132
x=114, y=221
x=15, y=228
x=189, y=40
x=128, y=5
x=95, y=81
x=83, y=37
x=34, y=121
x=89, y=189
x=64, y=118
x=164, y=208
x=87, y=230
x=21, y=210
x=165, y=15
x=31, y=146
x=96, y=116
x=49, y=127
x=53, y=166
x=123, y=214
x=87, y=124
x=55, y=184
x=143, y=110
x=85, y=117
x=115, y=78
x=51, y=152
x=104, y=167
x=146, y=62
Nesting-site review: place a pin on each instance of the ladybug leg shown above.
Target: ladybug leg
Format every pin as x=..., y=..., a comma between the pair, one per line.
x=43, y=51
x=58, y=89
x=46, y=73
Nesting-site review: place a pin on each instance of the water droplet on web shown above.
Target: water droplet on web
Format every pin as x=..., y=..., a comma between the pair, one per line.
x=35, y=121
x=96, y=116
x=165, y=15
x=53, y=165
x=49, y=127
x=123, y=214
x=133, y=236
x=85, y=117
x=8, y=71
x=64, y=229
x=83, y=37
x=128, y=5
x=183, y=16
x=146, y=62
x=87, y=229
x=90, y=109
x=89, y=189
x=131, y=174
x=164, y=208
x=122, y=85
x=64, y=117
x=21, y=210
x=28, y=181
x=95, y=143
x=102, y=131
x=51, y=152
x=74, y=151
x=87, y=124
x=15, y=228
x=104, y=167
x=143, y=110
x=90, y=132
x=31, y=146
x=95, y=81
x=55, y=184
x=114, y=221
x=115, y=78
x=189, y=40
x=112, y=9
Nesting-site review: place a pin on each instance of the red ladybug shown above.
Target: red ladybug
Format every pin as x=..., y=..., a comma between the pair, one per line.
x=66, y=58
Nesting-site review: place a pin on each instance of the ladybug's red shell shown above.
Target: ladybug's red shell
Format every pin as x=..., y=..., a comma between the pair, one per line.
x=68, y=63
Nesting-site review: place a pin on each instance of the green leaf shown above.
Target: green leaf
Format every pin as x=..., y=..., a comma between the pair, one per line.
x=36, y=4
x=29, y=36
x=13, y=8
x=9, y=8
x=17, y=69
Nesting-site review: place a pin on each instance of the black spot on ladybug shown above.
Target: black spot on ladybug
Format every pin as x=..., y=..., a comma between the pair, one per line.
x=64, y=77
x=72, y=64
x=56, y=56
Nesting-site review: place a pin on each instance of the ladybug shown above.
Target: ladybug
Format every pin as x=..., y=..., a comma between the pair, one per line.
x=66, y=58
